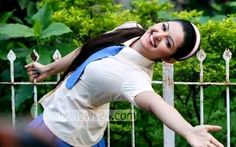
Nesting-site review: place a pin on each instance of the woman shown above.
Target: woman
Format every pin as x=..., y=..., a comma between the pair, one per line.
x=126, y=75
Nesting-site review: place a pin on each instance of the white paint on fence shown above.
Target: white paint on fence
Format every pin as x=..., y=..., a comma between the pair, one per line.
x=227, y=56
x=57, y=56
x=168, y=95
x=11, y=56
x=201, y=56
x=35, y=90
x=133, y=126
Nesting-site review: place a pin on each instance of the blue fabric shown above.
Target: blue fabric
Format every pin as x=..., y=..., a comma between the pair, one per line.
x=38, y=122
x=108, y=51
x=101, y=143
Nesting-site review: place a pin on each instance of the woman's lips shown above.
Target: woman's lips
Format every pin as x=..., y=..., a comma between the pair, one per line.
x=152, y=40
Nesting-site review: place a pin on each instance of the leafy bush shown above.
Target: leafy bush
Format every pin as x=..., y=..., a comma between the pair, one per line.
x=90, y=18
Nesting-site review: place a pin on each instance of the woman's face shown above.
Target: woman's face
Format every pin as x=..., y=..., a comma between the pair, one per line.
x=161, y=40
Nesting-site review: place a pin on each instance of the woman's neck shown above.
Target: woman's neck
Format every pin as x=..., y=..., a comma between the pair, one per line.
x=137, y=46
x=131, y=42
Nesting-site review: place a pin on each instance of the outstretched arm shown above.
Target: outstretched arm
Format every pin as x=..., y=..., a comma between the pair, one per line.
x=196, y=136
x=39, y=72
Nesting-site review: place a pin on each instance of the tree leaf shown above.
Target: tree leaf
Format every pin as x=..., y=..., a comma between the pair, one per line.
x=16, y=30
x=55, y=29
x=5, y=16
x=37, y=29
x=3, y=37
x=45, y=55
x=44, y=16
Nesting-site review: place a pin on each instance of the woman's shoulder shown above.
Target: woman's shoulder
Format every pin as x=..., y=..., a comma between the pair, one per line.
x=129, y=24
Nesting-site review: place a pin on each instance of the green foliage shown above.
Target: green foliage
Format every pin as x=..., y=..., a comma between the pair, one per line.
x=55, y=29
x=43, y=16
x=29, y=7
x=40, y=36
x=42, y=27
x=23, y=93
x=149, y=11
x=16, y=30
x=90, y=18
x=5, y=16
x=188, y=15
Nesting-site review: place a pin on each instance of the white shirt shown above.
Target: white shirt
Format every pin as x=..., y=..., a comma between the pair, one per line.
x=79, y=116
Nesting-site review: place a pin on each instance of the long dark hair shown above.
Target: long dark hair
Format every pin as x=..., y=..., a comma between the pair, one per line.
x=97, y=43
x=189, y=40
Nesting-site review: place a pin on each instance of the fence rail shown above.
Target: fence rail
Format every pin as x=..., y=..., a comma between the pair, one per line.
x=168, y=92
x=153, y=82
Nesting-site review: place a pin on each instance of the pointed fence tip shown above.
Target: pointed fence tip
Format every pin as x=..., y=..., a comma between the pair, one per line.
x=201, y=55
x=11, y=56
x=35, y=55
x=227, y=54
x=56, y=55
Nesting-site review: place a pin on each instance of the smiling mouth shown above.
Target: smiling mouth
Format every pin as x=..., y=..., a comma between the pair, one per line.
x=153, y=43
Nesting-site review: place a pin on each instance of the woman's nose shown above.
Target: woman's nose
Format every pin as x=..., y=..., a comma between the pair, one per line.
x=160, y=35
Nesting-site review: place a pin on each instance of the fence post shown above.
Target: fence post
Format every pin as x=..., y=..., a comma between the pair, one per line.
x=57, y=56
x=133, y=126
x=168, y=95
x=201, y=56
x=227, y=56
x=35, y=57
x=11, y=57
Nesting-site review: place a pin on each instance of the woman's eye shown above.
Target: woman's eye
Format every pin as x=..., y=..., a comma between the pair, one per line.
x=168, y=43
x=163, y=27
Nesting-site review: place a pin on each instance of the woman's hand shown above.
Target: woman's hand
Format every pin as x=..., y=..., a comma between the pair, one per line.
x=37, y=71
x=199, y=136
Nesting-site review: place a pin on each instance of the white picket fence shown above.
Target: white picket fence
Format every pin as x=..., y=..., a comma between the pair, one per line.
x=168, y=92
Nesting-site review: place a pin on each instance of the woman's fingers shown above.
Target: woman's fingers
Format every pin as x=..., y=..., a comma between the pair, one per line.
x=211, y=145
x=31, y=65
x=216, y=142
x=32, y=72
x=30, y=68
x=202, y=131
x=28, y=65
x=212, y=128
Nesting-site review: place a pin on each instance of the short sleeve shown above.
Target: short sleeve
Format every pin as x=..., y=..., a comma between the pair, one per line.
x=133, y=86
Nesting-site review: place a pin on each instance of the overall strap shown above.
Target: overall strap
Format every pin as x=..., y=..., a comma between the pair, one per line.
x=108, y=51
